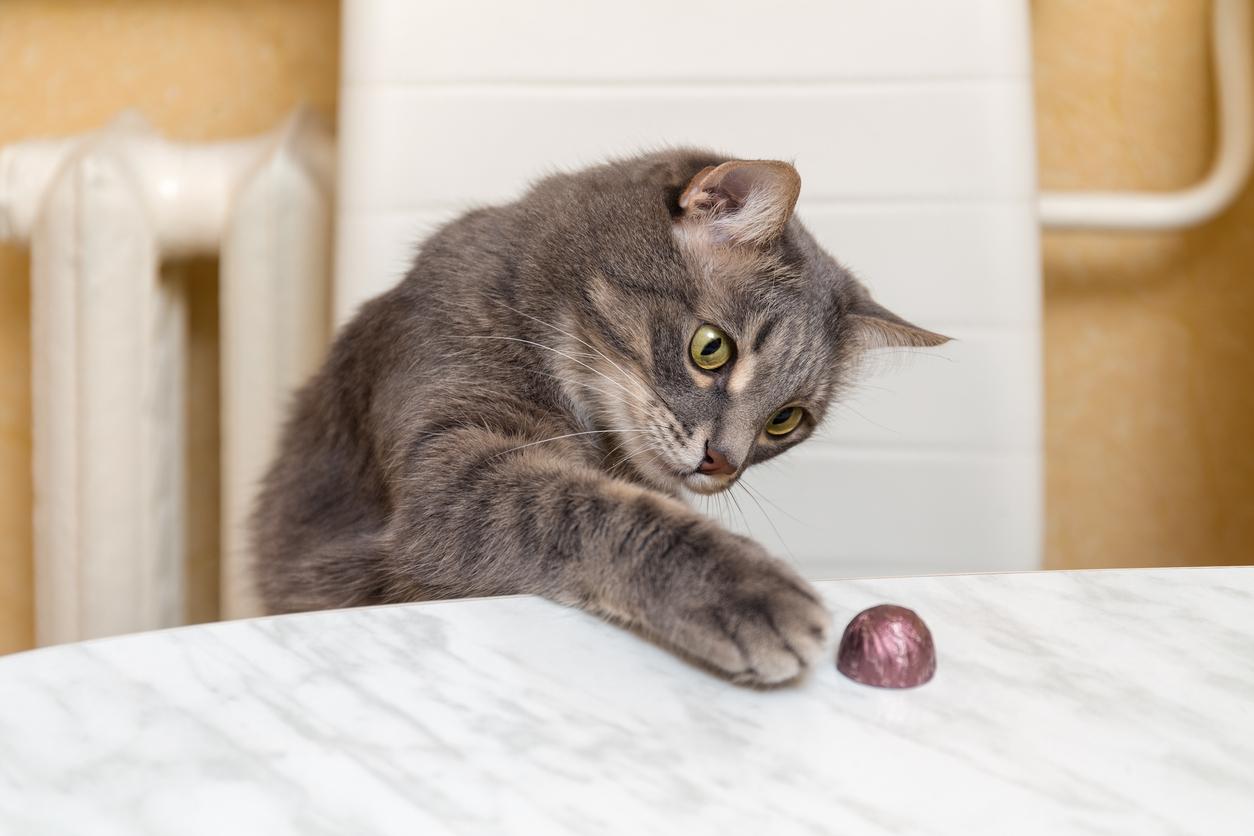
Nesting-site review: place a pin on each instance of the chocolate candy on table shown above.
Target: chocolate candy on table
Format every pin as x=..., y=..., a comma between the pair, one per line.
x=888, y=647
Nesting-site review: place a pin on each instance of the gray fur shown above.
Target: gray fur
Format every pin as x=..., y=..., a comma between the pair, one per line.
x=519, y=414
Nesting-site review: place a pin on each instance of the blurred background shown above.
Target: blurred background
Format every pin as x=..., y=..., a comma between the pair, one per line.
x=1148, y=337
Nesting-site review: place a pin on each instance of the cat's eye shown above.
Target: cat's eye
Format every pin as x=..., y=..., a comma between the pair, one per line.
x=785, y=420
x=710, y=348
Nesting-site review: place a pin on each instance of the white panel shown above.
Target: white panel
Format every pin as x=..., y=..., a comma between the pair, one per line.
x=835, y=513
x=377, y=250
x=661, y=40
x=970, y=394
x=941, y=263
x=464, y=145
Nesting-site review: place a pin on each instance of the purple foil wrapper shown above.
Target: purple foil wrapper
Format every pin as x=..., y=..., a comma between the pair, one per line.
x=888, y=647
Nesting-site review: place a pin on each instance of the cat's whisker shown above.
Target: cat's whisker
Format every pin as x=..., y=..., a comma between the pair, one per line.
x=609, y=395
x=732, y=496
x=570, y=435
x=561, y=353
x=574, y=382
x=620, y=445
x=849, y=408
x=722, y=500
x=756, y=494
x=709, y=510
x=898, y=350
x=858, y=386
x=703, y=503
x=644, y=387
x=610, y=453
x=658, y=455
x=749, y=493
x=648, y=391
x=598, y=353
x=719, y=504
x=713, y=509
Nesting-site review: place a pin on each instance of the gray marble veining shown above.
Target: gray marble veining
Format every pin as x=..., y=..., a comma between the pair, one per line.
x=1114, y=702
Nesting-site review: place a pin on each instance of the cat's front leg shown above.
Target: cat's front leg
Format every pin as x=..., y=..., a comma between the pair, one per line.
x=483, y=516
x=717, y=597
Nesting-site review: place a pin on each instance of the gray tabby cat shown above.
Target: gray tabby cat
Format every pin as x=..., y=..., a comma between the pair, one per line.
x=523, y=411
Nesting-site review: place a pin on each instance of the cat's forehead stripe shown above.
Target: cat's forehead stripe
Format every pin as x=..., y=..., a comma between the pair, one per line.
x=742, y=373
x=764, y=331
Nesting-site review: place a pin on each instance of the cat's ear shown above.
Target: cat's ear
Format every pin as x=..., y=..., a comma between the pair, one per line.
x=742, y=201
x=877, y=327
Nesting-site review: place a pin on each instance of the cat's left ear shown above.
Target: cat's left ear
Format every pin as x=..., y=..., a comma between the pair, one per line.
x=742, y=201
x=877, y=327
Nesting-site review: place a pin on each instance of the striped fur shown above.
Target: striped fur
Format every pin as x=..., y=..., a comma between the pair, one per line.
x=520, y=413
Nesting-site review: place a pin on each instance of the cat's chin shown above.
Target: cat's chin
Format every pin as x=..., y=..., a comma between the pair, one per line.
x=706, y=485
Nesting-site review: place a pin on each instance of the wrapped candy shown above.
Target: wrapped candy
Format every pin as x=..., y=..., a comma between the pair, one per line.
x=888, y=647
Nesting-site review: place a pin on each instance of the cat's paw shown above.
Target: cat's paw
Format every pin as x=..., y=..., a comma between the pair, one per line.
x=764, y=626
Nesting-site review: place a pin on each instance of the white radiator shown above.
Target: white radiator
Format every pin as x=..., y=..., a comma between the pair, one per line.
x=100, y=212
x=911, y=125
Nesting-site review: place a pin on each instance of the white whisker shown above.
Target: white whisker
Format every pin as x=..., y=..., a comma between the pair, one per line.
x=561, y=353
x=749, y=493
x=757, y=494
x=743, y=518
x=568, y=435
x=574, y=382
x=585, y=343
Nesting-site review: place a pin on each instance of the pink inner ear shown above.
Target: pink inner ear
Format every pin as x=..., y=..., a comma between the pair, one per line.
x=694, y=187
x=738, y=183
x=746, y=201
x=730, y=184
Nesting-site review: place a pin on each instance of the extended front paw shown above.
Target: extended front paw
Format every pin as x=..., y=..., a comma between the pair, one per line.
x=759, y=623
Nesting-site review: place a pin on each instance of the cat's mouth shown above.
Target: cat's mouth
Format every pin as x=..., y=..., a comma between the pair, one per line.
x=670, y=473
x=706, y=479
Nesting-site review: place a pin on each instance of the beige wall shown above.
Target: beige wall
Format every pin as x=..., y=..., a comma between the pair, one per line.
x=1149, y=338
x=1149, y=368
x=198, y=70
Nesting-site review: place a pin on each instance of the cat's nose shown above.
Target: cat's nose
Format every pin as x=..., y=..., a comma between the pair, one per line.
x=715, y=463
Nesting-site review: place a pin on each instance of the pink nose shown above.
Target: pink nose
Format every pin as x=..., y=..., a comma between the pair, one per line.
x=715, y=464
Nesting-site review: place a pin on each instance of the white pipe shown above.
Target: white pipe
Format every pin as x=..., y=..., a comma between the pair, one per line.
x=1234, y=80
x=107, y=403
x=276, y=322
x=109, y=340
x=186, y=188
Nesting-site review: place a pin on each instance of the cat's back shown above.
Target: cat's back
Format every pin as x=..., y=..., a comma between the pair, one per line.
x=398, y=358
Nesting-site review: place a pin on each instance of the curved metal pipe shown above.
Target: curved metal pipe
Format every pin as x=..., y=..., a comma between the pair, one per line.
x=1234, y=80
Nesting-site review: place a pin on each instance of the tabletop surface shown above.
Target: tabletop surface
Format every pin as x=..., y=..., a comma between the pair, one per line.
x=1064, y=703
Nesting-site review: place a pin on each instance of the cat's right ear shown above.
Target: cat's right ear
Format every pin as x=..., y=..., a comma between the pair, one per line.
x=741, y=201
x=875, y=326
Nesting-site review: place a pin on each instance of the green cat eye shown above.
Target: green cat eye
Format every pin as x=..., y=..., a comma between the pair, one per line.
x=785, y=421
x=710, y=348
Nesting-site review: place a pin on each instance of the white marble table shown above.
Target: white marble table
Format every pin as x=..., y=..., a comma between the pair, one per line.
x=1064, y=703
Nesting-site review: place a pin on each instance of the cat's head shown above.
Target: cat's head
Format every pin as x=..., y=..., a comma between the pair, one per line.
x=714, y=331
